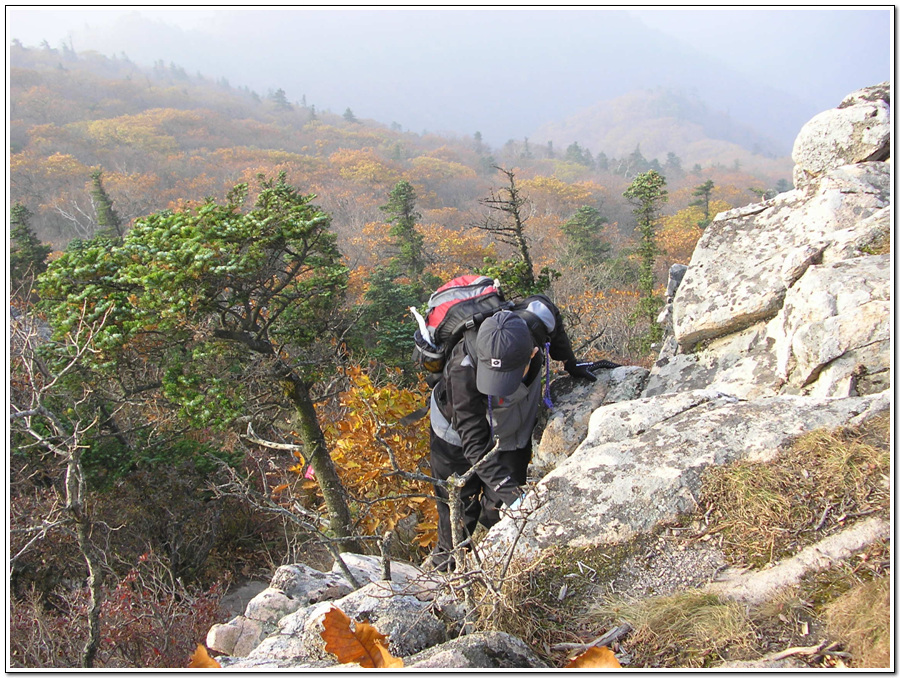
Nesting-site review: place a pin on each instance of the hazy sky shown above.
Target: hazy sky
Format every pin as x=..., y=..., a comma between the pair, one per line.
x=371, y=59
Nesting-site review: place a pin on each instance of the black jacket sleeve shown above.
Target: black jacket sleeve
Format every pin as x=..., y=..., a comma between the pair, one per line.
x=469, y=409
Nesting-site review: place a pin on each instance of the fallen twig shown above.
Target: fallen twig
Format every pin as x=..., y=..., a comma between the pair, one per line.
x=821, y=648
x=607, y=638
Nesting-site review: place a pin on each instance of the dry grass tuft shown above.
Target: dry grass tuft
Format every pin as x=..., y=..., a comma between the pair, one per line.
x=824, y=481
x=861, y=619
x=545, y=602
x=691, y=629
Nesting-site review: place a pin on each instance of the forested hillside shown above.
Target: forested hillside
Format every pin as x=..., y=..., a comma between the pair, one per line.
x=207, y=374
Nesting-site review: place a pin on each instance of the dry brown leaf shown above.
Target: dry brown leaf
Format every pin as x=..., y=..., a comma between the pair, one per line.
x=386, y=660
x=595, y=658
x=363, y=644
x=201, y=660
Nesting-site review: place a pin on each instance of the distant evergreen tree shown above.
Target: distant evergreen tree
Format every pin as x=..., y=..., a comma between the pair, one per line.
x=636, y=163
x=27, y=256
x=602, y=162
x=647, y=193
x=584, y=231
x=108, y=223
x=348, y=116
x=402, y=215
x=526, y=151
x=279, y=98
x=672, y=167
x=478, y=146
x=398, y=151
x=486, y=165
x=550, y=153
x=783, y=185
x=575, y=153
x=703, y=193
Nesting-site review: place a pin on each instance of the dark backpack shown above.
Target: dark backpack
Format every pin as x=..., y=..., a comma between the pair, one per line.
x=459, y=305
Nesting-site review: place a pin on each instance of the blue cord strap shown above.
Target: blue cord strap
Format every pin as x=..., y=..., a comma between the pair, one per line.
x=491, y=415
x=547, y=401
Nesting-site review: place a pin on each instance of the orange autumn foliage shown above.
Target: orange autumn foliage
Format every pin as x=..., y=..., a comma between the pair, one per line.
x=201, y=660
x=595, y=658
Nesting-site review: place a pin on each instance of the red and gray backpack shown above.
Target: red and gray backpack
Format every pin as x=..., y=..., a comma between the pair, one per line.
x=459, y=305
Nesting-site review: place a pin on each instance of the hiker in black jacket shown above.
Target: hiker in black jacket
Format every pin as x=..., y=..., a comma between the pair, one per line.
x=491, y=386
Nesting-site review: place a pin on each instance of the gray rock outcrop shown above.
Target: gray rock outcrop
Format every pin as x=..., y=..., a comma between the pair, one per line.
x=573, y=402
x=641, y=463
x=478, y=651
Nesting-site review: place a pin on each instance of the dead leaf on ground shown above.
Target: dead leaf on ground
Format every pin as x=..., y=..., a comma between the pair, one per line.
x=363, y=644
x=201, y=660
x=595, y=658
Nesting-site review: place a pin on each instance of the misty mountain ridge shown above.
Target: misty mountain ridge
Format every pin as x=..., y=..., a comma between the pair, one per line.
x=656, y=122
x=661, y=121
x=455, y=73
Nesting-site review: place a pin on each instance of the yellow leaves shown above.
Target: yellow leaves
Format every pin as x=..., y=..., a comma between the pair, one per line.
x=61, y=164
x=359, y=643
x=595, y=658
x=434, y=169
x=201, y=660
x=556, y=196
x=358, y=432
x=455, y=251
x=363, y=166
x=142, y=131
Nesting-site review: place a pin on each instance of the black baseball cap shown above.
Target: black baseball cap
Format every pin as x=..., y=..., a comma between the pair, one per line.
x=502, y=349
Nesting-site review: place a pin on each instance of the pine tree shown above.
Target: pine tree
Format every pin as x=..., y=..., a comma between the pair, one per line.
x=27, y=256
x=108, y=222
x=281, y=101
x=584, y=231
x=647, y=193
x=703, y=193
x=402, y=215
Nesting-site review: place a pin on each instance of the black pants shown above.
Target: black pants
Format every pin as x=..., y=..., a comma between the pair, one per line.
x=480, y=504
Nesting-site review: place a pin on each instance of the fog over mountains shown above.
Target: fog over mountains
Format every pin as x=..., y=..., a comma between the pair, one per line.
x=503, y=73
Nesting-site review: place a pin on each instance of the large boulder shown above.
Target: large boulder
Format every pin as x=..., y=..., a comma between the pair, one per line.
x=492, y=650
x=298, y=587
x=859, y=129
x=642, y=461
x=573, y=402
x=831, y=336
x=747, y=258
x=408, y=622
x=837, y=327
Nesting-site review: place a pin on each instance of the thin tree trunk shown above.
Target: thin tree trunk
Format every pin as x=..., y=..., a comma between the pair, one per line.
x=323, y=466
x=75, y=494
